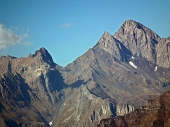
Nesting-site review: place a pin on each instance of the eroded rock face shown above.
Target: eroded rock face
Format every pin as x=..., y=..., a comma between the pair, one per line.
x=29, y=89
x=84, y=110
x=140, y=40
x=163, y=52
x=143, y=42
x=154, y=114
x=113, y=78
x=19, y=106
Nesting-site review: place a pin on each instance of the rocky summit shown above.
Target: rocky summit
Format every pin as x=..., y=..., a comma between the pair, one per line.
x=113, y=78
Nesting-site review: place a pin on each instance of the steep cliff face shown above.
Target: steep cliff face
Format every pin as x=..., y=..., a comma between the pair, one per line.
x=140, y=40
x=84, y=110
x=29, y=89
x=163, y=52
x=154, y=114
x=19, y=106
x=143, y=42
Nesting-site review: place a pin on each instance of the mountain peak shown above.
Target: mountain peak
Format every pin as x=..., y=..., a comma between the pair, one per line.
x=104, y=37
x=133, y=25
x=106, y=34
x=43, y=54
x=42, y=50
x=130, y=23
x=137, y=28
x=139, y=39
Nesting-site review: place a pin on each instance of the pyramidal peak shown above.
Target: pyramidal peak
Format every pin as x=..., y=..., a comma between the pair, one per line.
x=106, y=34
x=42, y=50
x=138, y=39
x=43, y=54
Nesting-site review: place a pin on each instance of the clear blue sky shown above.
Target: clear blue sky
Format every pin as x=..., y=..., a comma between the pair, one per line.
x=68, y=28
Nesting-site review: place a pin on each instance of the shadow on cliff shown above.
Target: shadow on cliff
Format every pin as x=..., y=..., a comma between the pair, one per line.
x=11, y=123
x=125, y=53
x=1, y=107
x=56, y=80
x=24, y=87
x=14, y=88
x=78, y=83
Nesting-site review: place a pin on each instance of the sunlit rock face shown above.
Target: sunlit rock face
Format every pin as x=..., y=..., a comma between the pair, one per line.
x=140, y=40
x=163, y=53
x=155, y=113
x=143, y=42
x=113, y=78
x=29, y=89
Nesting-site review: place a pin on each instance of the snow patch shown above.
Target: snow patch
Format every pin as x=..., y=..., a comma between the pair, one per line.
x=50, y=123
x=132, y=57
x=156, y=68
x=132, y=64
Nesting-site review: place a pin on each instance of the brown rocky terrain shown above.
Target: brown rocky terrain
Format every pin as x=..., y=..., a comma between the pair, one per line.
x=27, y=94
x=113, y=78
x=156, y=113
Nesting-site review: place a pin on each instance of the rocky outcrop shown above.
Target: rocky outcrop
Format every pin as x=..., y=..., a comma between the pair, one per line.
x=140, y=40
x=29, y=89
x=19, y=106
x=163, y=53
x=143, y=42
x=114, y=47
x=84, y=110
x=154, y=114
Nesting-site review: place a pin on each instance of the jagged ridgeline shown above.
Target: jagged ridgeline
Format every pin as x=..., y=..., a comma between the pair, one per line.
x=113, y=78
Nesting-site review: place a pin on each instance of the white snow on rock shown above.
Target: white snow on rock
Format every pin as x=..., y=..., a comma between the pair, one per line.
x=156, y=68
x=50, y=123
x=132, y=57
x=132, y=64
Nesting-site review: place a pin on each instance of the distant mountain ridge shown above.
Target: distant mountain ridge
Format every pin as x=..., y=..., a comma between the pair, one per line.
x=112, y=78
